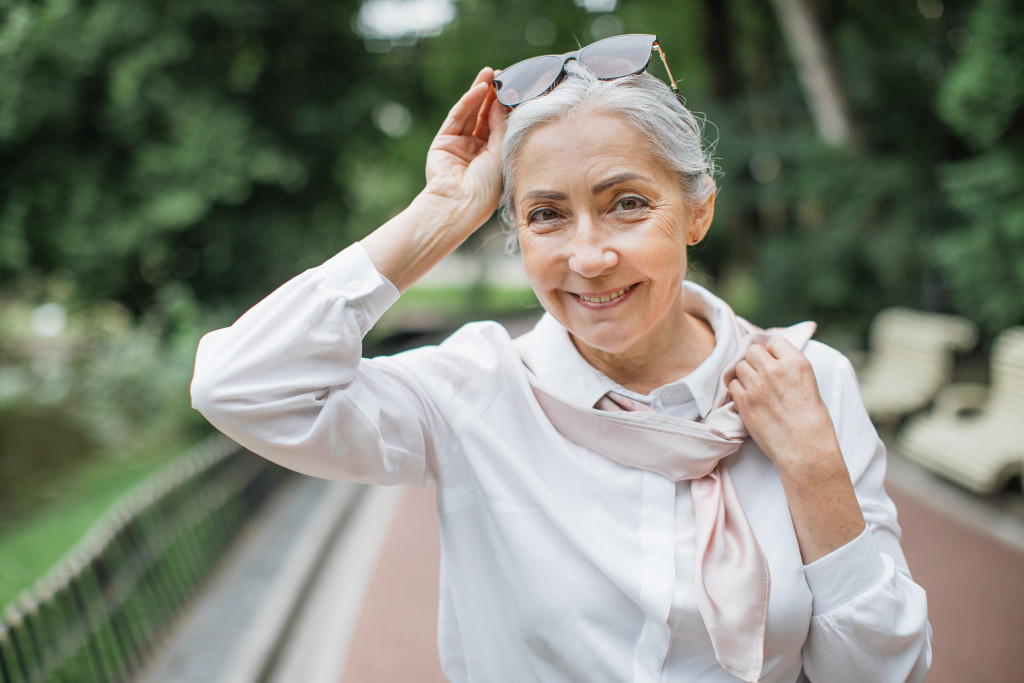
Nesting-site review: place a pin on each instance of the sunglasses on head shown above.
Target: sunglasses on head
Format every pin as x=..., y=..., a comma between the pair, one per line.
x=609, y=58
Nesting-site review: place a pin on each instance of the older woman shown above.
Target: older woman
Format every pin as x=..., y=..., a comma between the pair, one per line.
x=604, y=515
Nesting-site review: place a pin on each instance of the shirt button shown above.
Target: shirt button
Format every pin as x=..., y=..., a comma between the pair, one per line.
x=353, y=285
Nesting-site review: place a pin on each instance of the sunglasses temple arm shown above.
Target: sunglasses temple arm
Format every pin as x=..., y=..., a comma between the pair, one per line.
x=671, y=80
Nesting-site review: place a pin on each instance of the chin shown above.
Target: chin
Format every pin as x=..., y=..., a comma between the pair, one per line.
x=613, y=342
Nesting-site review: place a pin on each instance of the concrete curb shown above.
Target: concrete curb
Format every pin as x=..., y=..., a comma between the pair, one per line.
x=314, y=649
x=236, y=628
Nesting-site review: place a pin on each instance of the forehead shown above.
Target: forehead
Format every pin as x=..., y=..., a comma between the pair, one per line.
x=584, y=148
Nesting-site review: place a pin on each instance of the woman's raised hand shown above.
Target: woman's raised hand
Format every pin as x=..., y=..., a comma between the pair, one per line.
x=462, y=190
x=464, y=160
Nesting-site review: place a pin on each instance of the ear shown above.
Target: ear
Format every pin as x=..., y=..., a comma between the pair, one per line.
x=700, y=218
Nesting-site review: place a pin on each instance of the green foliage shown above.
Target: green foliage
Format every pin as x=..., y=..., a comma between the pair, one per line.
x=983, y=96
x=119, y=384
x=206, y=151
x=984, y=260
x=148, y=144
x=855, y=244
x=836, y=234
x=983, y=101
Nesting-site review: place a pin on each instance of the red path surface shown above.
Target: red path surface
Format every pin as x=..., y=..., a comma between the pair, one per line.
x=975, y=594
x=396, y=638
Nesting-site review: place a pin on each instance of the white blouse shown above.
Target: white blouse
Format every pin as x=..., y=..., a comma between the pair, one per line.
x=557, y=563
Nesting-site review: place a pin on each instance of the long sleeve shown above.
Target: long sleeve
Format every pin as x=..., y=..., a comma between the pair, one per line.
x=287, y=381
x=870, y=620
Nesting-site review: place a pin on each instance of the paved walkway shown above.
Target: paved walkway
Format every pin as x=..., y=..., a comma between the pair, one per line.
x=967, y=552
x=396, y=636
x=975, y=595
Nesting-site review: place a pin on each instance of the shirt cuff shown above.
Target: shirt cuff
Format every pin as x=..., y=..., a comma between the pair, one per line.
x=351, y=275
x=844, y=573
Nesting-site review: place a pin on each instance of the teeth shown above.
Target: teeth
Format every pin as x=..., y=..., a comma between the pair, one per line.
x=606, y=298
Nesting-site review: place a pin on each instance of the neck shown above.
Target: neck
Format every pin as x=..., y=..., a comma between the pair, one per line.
x=680, y=344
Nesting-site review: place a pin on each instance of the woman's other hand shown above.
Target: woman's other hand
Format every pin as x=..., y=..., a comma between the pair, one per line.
x=463, y=187
x=776, y=395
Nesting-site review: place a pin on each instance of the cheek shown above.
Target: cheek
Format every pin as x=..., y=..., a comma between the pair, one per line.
x=665, y=263
x=674, y=262
x=536, y=259
x=672, y=233
x=669, y=246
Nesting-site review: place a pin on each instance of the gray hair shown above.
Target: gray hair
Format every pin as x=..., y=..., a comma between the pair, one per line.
x=673, y=134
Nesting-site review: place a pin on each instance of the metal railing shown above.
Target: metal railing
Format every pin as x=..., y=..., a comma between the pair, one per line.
x=101, y=610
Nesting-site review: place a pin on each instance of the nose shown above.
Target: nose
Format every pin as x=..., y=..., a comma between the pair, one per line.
x=591, y=253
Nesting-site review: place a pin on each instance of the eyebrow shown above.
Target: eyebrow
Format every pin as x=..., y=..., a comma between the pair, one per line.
x=616, y=179
x=596, y=189
x=544, y=194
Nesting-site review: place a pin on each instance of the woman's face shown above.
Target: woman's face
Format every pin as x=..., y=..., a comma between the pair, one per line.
x=604, y=229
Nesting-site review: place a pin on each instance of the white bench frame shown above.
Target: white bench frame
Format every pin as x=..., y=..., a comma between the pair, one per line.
x=910, y=357
x=975, y=433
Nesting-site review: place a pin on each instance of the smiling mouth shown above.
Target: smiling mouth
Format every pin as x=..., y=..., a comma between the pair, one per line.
x=605, y=298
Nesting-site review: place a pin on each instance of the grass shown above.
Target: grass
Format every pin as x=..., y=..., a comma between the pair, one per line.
x=35, y=544
x=423, y=306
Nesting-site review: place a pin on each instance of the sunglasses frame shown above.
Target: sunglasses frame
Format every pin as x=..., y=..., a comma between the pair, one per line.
x=575, y=56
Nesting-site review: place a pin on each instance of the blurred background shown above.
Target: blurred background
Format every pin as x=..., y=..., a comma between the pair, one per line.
x=165, y=165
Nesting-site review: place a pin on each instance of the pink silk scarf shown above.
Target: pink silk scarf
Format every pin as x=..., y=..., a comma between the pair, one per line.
x=731, y=572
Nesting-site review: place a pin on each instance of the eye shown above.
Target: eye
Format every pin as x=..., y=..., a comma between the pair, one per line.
x=630, y=203
x=543, y=215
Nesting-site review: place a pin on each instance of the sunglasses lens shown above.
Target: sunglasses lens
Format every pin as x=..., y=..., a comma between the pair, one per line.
x=618, y=56
x=527, y=79
x=610, y=58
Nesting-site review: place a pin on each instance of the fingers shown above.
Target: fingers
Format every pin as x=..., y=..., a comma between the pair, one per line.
x=497, y=116
x=736, y=392
x=482, y=130
x=746, y=382
x=775, y=362
x=782, y=348
x=485, y=75
x=760, y=356
x=479, y=108
x=464, y=116
x=756, y=361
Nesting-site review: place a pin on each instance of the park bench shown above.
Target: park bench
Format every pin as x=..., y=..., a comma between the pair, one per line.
x=974, y=435
x=910, y=357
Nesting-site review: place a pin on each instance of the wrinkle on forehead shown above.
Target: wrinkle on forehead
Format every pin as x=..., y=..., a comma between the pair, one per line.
x=599, y=150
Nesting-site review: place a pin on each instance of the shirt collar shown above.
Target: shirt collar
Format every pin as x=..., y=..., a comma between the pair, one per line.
x=562, y=370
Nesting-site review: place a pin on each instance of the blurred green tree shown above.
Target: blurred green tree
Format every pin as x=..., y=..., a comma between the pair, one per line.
x=836, y=232
x=204, y=144
x=982, y=99
x=209, y=150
